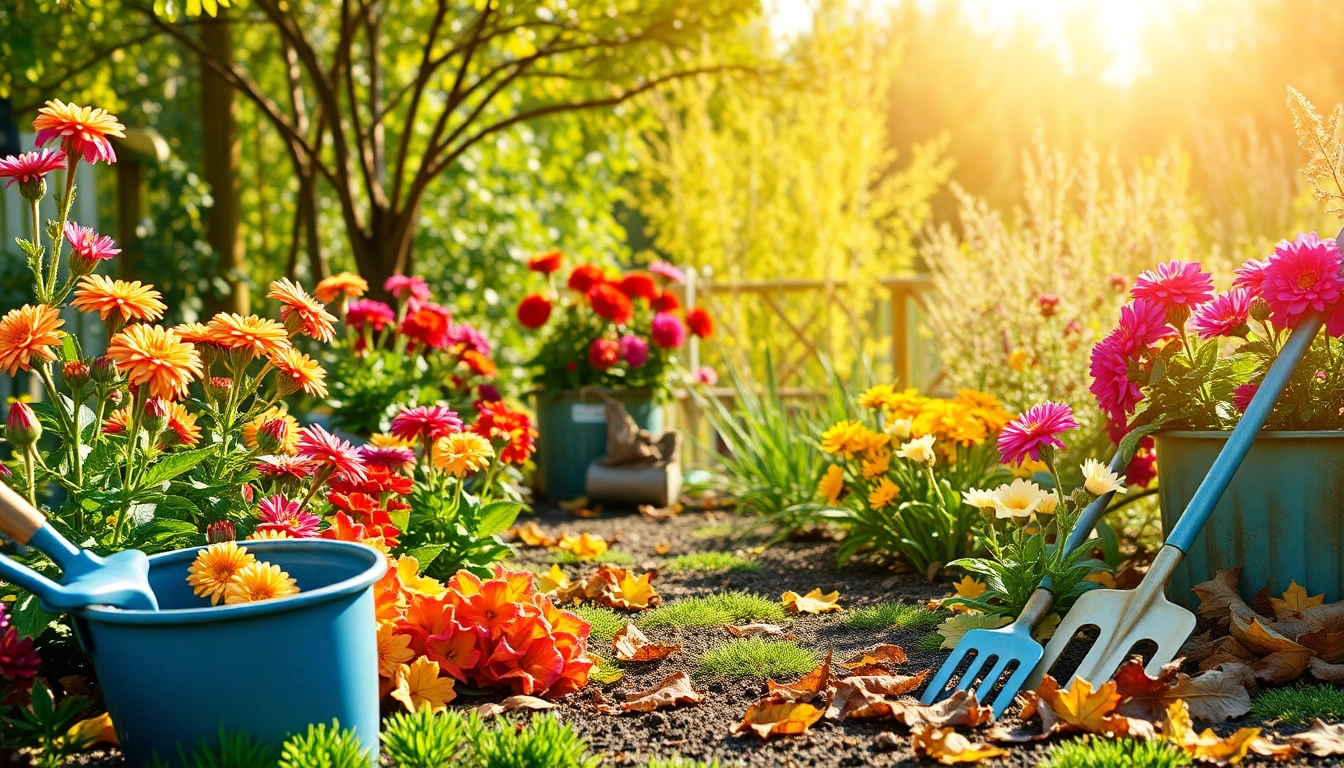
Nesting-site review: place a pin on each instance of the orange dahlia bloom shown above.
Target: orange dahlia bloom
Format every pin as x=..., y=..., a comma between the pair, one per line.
x=131, y=300
x=26, y=333
x=82, y=130
x=301, y=312
x=182, y=429
x=296, y=371
x=252, y=334
x=193, y=333
x=341, y=284
x=156, y=357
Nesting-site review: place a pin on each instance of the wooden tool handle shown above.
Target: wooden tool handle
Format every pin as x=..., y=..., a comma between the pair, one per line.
x=18, y=519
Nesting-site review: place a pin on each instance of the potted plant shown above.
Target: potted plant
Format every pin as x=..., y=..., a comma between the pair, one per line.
x=1182, y=365
x=604, y=336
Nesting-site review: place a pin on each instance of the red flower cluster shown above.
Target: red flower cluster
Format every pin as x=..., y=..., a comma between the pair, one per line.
x=496, y=633
x=496, y=420
x=363, y=508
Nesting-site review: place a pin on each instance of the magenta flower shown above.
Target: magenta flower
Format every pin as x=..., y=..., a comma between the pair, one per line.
x=1143, y=323
x=376, y=314
x=399, y=284
x=278, y=513
x=1222, y=316
x=390, y=458
x=1176, y=285
x=705, y=375
x=1251, y=276
x=18, y=658
x=425, y=424
x=297, y=467
x=667, y=330
x=1116, y=394
x=468, y=338
x=1039, y=427
x=635, y=351
x=331, y=452
x=667, y=271
x=30, y=166
x=1302, y=276
x=1241, y=399
x=88, y=244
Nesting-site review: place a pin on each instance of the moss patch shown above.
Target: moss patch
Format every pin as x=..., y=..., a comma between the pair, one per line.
x=754, y=657
x=677, y=761
x=1300, y=705
x=713, y=531
x=930, y=643
x=712, y=561
x=610, y=557
x=1119, y=753
x=893, y=616
x=606, y=622
x=714, y=610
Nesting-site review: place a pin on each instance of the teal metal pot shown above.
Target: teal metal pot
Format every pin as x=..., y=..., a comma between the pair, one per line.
x=1280, y=520
x=572, y=433
x=178, y=675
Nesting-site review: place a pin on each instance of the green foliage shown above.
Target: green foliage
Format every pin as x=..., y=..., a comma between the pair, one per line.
x=677, y=761
x=721, y=531
x=42, y=726
x=1299, y=705
x=544, y=743
x=423, y=739
x=605, y=622
x=235, y=750
x=754, y=657
x=1093, y=752
x=713, y=610
x=610, y=557
x=325, y=747
x=900, y=616
x=452, y=529
x=712, y=561
x=930, y=643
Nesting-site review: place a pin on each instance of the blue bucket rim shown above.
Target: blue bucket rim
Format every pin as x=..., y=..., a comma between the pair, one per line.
x=1268, y=434
x=218, y=613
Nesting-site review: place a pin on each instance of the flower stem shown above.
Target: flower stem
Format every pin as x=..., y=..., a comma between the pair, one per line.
x=64, y=203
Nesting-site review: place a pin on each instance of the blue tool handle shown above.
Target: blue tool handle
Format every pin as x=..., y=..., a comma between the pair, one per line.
x=48, y=591
x=1243, y=436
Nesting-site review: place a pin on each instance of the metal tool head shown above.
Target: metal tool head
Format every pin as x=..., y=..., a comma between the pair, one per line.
x=120, y=580
x=992, y=652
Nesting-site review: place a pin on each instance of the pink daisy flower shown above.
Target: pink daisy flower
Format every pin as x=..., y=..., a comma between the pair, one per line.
x=88, y=244
x=297, y=467
x=1302, y=276
x=375, y=314
x=667, y=271
x=425, y=424
x=1176, y=285
x=1222, y=316
x=399, y=284
x=1250, y=276
x=667, y=330
x=1034, y=430
x=30, y=166
x=1116, y=394
x=329, y=451
x=1143, y=323
x=278, y=513
x=389, y=458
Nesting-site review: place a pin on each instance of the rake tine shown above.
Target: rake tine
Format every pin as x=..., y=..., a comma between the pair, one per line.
x=939, y=682
x=986, y=686
x=1014, y=684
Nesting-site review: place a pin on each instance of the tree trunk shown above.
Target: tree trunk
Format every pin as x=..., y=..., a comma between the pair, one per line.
x=220, y=158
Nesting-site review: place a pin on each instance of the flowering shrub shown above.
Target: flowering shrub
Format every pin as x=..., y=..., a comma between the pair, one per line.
x=389, y=358
x=611, y=331
x=492, y=633
x=1184, y=357
x=882, y=485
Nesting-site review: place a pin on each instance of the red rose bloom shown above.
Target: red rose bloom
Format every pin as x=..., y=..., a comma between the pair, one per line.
x=534, y=310
x=666, y=302
x=547, y=262
x=700, y=323
x=638, y=285
x=604, y=353
x=584, y=277
x=609, y=302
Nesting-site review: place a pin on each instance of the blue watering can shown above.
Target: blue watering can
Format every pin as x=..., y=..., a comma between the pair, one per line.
x=175, y=671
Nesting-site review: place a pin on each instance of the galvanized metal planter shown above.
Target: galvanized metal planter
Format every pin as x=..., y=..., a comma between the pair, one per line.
x=572, y=433
x=1281, y=519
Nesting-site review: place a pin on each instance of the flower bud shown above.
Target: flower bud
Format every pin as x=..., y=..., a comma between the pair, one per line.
x=1260, y=311
x=1047, y=303
x=293, y=323
x=22, y=427
x=1177, y=315
x=217, y=388
x=81, y=264
x=114, y=397
x=222, y=531
x=76, y=374
x=104, y=370
x=5, y=471
x=155, y=415
x=248, y=493
x=273, y=435
x=33, y=190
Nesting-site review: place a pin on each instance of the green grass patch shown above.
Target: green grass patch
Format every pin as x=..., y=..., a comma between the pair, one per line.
x=677, y=761
x=610, y=557
x=893, y=616
x=754, y=657
x=714, y=610
x=606, y=622
x=721, y=531
x=930, y=643
x=712, y=561
x=1091, y=752
x=1300, y=705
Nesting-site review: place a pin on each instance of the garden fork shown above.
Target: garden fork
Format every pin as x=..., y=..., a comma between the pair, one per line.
x=1013, y=643
x=1126, y=618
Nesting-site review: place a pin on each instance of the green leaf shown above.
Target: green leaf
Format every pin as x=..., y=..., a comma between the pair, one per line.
x=427, y=554
x=70, y=348
x=1129, y=445
x=28, y=616
x=1159, y=372
x=497, y=516
x=174, y=464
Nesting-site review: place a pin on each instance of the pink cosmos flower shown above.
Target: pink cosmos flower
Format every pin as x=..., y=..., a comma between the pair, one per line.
x=667, y=271
x=391, y=458
x=1250, y=276
x=667, y=330
x=376, y=314
x=30, y=166
x=1241, y=399
x=329, y=451
x=1143, y=323
x=1222, y=316
x=425, y=423
x=635, y=351
x=1175, y=285
x=705, y=375
x=1302, y=276
x=297, y=467
x=278, y=513
x=89, y=244
x=1116, y=395
x=1035, y=429
x=399, y=284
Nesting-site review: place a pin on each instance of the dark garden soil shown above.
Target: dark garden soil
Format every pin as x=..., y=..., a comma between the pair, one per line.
x=702, y=731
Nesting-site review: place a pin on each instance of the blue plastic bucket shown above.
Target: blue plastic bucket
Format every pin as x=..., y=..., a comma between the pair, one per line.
x=178, y=675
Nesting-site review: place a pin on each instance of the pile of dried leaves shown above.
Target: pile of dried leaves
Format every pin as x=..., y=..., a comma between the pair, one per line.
x=607, y=586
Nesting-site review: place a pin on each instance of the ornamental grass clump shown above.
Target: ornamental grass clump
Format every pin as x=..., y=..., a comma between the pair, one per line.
x=757, y=658
x=1299, y=705
x=714, y=610
x=1092, y=752
x=710, y=562
x=900, y=616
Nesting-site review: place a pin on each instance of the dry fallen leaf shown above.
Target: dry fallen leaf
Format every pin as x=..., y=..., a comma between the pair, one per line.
x=553, y=582
x=949, y=747
x=662, y=548
x=92, y=731
x=777, y=715
x=673, y=690
x=1294, y=600
x=513, y=704
x=758, y=630
x=1328, y=646
x=531, y=535
x=618, y=588
x=814, y=683
x=969, y=588
x=657, y=513
x=955, y=627
x=1212, y=696
x=1217, y=596
x=880, y=656
x=866, y=696
x=632, y=645
x=1326, y=672
x=1104, y=578
x=1321, y=739
x=812, y=602
x=585, y=546
x=1080, y=708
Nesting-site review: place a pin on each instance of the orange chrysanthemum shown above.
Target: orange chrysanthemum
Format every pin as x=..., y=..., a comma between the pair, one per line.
x=82, y=130
x=258, y=581
x=291, y=443
x=182, y=429
x=117, y=421
x=215, y=567
x=133, y=301
x=26, y=333
x=156, y=357
x=193, y=333
x=252, y=334
x=341, y=284
x=301, y=312
x=296, y=371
